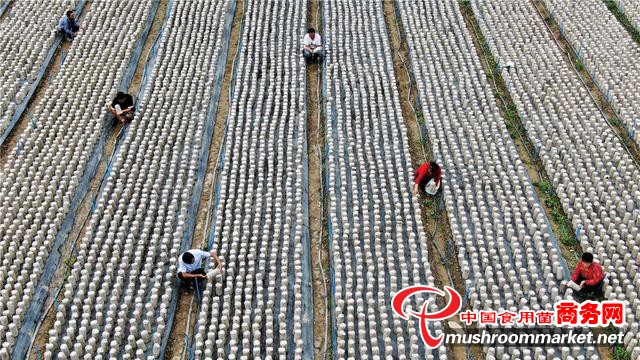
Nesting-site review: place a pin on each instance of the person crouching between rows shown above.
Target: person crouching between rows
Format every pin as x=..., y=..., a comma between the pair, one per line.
x=191, y=268
x=312, y=47
x=68, y=26
x=122, y=108
x=588, y=278
x=427, y=178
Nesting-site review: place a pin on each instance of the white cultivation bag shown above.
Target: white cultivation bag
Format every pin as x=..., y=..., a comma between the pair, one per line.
x=432, y=187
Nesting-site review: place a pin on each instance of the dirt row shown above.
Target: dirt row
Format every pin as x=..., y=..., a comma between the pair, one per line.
x=445, y=268
x=317, y=198
x=176, y=344
x=7, y=150
x=598, y=97
x=315, y=143
x=84, y=210
x=537, y=173
x=50, y=73
x=7, y=9
x=570, y=248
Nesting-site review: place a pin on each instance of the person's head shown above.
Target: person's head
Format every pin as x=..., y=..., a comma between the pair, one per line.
x=587, y=258
x=433, y=167
x=70, y=14
x=311, y=32
x=120, y=95
x=188, y=258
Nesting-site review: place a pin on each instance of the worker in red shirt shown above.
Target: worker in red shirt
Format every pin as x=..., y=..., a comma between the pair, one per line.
x=424, y=174
x=588, y=277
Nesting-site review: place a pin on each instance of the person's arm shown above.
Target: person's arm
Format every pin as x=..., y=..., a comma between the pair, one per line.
x=417, y=178
x=184, y=274
x=317, y=46
x=438, y=176
x=576, y=272
x=596, y=276
x=187, y=276
x=421, y=173
x=129, y=104
x=110, y=106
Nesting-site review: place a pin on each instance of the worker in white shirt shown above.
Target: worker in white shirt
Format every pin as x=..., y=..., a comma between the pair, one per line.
x=191, y=267
x=312, y=46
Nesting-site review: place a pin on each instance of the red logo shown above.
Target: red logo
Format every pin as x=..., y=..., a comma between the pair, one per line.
x=454, y=305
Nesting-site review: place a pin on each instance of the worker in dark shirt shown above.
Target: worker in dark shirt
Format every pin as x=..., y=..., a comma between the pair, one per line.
x=425, y=173
x=122, y=107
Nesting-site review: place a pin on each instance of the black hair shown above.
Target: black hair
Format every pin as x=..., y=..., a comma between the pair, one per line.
x=433, y=166
x=120, y=95
x=587, y=257
x=69, y=12
x=311, y=30
x=188, y=258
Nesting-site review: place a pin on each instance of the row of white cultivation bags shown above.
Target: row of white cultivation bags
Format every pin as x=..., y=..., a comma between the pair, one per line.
x=115, y=304
x=26, y=34
x=41, y=176
x=594, y=176
x=608, y=52
x=378, y=245
x=508, y=255
x=631, y=9
x=255, y=310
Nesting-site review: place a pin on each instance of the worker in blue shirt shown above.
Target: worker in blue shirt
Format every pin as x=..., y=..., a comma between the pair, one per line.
x=69, y=25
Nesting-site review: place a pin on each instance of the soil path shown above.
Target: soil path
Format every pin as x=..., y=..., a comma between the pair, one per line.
x=317, y=199
x=445, y=267
x=176, y=344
